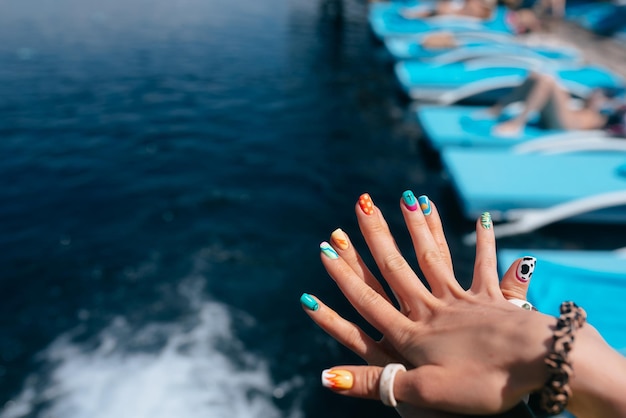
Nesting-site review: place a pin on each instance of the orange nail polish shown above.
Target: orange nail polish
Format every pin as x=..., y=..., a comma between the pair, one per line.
x=337, y=379
x=339, y=238
x=366, y=204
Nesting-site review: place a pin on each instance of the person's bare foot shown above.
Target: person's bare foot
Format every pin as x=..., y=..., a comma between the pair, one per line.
x=510, y=128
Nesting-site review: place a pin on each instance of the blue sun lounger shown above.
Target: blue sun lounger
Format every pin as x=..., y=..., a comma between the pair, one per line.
x=536, y=189
x=470, y=126
x=484, y=79
x=386, y=20
x=467, y=126
x=595, y=280
x=469, y=47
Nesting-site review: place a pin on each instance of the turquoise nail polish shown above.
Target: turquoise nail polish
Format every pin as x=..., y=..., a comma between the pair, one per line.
x=408, y=198
x=309, y=302
x=329, y=251
x=424, y=202
x=485, y=220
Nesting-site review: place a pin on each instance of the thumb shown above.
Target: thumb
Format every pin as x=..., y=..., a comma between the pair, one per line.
x=428, y=386
x=515, y=282
x=356, y=381
x=420, y=386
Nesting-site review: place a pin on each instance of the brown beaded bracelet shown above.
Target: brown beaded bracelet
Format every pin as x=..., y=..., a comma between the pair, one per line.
x=556, y=391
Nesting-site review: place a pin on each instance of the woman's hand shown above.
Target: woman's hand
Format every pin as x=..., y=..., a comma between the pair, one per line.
x=467, y=351
x=514, y=286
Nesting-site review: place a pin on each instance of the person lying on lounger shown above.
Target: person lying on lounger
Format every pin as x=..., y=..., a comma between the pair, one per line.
x=479, y=9
x=541, y=93
x=520, y=22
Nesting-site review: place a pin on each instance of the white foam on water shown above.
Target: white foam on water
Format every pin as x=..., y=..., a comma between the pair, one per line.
x=188, y=376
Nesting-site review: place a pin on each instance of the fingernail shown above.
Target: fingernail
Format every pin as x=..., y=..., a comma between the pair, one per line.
x=337, y=379
x=340, y=239
x=485, y=220
x=525, y=269
x=329, y=251
x=309, y=302
x=408, y=198
x=366, y=204
x=424, y=202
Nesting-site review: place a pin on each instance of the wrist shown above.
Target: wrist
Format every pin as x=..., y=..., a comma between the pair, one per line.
x=599, y=372
x=599, y=377
x=536, y=334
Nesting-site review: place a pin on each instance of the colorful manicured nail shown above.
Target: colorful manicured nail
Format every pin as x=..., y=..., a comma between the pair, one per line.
x=340, y=239
x=485, y=220
x=525, y=269
x=366, y=204
x=337, y=379
x=408, y=198
x=309, y=302
x=424, y=202
x=329, y=251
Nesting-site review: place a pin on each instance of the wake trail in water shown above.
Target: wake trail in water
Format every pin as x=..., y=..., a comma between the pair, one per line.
x=198, y=370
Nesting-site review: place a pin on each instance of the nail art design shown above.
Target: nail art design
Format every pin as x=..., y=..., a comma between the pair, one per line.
x=337, y=379
x=339, y=238
x=424, y=202
x=329, y=251
x=408, y=198
x=485, y=220
x=309, y=302
x=525, y=269
x=366, y=204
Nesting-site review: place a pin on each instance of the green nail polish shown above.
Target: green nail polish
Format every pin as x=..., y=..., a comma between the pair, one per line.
x=309, y=302
x=485, y=220
x=329, y=251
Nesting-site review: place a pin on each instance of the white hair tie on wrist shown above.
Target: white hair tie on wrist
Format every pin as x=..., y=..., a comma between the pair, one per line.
x=524, y=304
x=385, y=386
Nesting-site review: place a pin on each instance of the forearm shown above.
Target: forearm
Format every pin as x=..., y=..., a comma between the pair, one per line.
x=599, y=381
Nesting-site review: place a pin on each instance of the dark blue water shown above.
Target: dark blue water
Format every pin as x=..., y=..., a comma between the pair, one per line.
x=168, y=169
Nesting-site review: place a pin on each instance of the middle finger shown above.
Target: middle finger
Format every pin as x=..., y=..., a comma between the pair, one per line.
x=430, y=244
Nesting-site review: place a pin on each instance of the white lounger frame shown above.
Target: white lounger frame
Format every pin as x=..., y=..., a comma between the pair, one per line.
x=522, y=221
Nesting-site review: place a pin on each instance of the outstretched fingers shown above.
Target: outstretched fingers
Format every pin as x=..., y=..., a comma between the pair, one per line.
x=344, y=331
x=372, y=306
x=429, y=241
x=412, y=294
x=485, y=281
x=343, y=246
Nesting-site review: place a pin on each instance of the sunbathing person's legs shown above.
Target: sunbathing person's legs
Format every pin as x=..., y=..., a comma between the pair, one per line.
x=550, y=100
x=520, y=93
